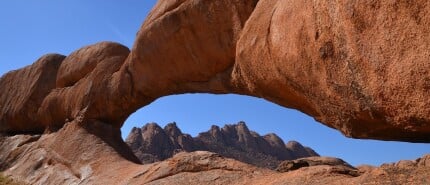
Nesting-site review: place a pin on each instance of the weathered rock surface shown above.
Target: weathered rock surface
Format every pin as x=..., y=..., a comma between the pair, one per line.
x=327, y=174
x=359, y=67
x=152, y=143
x=188, y=46
x=86, y=88
x=22, y=93
x=199, y=168
x=336, y=163
x=72, y=155
x=58, y=89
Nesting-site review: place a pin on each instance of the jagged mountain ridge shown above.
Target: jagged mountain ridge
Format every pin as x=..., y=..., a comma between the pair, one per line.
x=152, y=143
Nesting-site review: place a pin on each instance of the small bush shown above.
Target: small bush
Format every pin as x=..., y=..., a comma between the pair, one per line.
x=7, y=181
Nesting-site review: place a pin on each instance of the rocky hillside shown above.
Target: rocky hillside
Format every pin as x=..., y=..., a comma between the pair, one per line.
x=74, y=156
x=152, y=143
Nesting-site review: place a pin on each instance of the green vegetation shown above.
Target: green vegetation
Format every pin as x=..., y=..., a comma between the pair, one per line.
x=7, y=181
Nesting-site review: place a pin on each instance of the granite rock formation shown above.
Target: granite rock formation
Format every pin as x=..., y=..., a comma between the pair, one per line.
x=367, y=76
x=357, y=66
x=152, y=143
x=23, y=91
x=339, y=164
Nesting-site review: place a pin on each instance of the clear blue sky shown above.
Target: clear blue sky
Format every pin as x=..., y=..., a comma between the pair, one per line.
x=31, y=28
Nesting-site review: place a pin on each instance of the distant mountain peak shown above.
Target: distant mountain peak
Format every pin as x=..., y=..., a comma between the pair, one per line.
x=152, y=143
x=172, y=130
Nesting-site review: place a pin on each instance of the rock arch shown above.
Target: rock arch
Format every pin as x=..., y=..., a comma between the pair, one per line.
x=367, y=77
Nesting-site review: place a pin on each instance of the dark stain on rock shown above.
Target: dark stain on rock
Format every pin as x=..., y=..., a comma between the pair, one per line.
x=327, y=50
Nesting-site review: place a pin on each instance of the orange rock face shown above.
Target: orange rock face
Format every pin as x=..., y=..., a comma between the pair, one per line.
x=359, y=67
x=188, y=46
x=22, y=93
x=86, y=88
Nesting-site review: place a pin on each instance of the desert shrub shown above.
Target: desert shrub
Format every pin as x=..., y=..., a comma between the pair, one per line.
x=7, y=181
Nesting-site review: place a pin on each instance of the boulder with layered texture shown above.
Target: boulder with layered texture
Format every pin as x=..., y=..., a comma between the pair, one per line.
x=87, y=87
x=188, y=46
x=358, y=66
x=22, y=93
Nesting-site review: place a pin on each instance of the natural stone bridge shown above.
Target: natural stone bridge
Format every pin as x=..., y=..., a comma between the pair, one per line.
x=361, y=67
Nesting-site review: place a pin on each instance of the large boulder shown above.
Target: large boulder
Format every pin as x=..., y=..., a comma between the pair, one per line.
x=358, y=66
x=22, y=93
x=188, y=46
x=87, y=89
x=90, y=153
x=339, y=164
